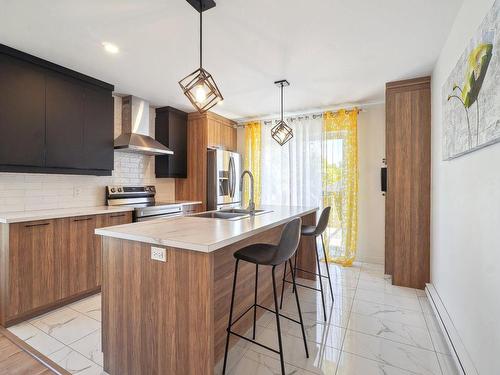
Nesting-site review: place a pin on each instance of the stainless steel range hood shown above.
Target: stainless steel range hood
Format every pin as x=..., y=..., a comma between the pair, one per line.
x=135, y=129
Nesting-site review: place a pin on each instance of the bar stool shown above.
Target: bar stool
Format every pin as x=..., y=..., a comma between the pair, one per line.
x=313, y=231
x=268, y=255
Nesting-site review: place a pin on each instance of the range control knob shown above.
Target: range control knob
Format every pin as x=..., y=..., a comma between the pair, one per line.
x=112, y=190
x=119, y=190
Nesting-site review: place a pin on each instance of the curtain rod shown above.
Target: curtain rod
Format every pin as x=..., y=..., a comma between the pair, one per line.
x=298, y=117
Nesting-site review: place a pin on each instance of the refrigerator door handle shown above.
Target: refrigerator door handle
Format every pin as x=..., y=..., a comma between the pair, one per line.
x=231, y=177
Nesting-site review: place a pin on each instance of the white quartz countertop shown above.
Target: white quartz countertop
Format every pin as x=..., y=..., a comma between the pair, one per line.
x=203, y=234
x=22, y=216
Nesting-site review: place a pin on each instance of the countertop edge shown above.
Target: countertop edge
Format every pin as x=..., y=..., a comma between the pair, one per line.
x=108, y=232
x=78, y=211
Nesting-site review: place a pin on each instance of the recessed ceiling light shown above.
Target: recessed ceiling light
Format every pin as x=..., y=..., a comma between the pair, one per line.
x=110, y=47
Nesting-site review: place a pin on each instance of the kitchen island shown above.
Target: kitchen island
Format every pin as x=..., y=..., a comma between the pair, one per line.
x=169, y=316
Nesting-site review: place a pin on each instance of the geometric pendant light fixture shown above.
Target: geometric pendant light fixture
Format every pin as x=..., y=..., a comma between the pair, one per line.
x=199, y=86
x=281, y=132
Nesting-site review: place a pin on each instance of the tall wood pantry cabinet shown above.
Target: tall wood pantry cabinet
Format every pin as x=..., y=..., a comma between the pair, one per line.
x=408, y=153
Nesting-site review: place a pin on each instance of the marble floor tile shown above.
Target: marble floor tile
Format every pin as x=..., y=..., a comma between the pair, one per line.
x=351, y=364
x=390, y=313
x=89, y=306
x=410, y=303
x=76, y=363
x=425, y=305
x=437, y=336
x=90, y=347
x=235, y=355
x=337, y=315
x=66, y=325
x=319, y=333
x=36, y=338
x=388, y=352
x=448, y=366
x=322, y=359
x=386, y=287
x=254, y=363
x=402, y=333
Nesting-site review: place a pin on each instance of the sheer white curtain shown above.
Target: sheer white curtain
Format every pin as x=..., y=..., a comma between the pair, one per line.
x=291, y=174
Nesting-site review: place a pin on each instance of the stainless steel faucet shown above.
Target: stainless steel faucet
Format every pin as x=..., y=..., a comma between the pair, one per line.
x=251, y=203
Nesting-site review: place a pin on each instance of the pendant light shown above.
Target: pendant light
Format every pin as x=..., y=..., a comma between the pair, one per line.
x=282, y=133
x=199, y=86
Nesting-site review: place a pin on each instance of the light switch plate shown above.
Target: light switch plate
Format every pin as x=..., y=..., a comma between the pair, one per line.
x=159, y=254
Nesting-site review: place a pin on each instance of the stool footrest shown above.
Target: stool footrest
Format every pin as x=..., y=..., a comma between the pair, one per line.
x=302, y=285
x=312, y=273
x=255, y=342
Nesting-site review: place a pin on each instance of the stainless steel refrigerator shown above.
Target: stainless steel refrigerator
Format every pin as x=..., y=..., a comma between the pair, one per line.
x=223, y=179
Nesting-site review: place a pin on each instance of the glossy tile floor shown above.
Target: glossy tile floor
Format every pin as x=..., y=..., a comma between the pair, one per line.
x=372, y=328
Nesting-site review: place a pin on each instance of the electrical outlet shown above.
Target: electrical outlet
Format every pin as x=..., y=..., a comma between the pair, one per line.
x=159, y=253
x=77, y=191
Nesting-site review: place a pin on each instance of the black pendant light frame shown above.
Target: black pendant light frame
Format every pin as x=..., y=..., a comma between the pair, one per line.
x=281, y=132
x=200, y=77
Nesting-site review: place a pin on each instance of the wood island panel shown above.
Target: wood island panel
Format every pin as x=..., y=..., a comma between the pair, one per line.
x=171, y=317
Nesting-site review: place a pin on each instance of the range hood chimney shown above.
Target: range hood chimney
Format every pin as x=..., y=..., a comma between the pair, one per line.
x=135, y=129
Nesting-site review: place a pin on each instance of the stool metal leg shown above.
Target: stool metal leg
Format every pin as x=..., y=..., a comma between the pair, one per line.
x=299, y=310
x=320, y=277
x=278, y=322
x=230, y=316
x=283, y=286
x=327, y=267
x=255, y=299
x=295, y=269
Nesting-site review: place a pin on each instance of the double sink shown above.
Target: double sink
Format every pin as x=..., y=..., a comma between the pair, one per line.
x=229, y=214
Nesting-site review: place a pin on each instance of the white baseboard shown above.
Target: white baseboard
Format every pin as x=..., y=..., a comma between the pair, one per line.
x=457, y=349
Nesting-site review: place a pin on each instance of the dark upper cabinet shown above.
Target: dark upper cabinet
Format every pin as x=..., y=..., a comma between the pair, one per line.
x=98, y=135
x=22, y=113
x=171, y=130
x=52, y=119
x=65, y=106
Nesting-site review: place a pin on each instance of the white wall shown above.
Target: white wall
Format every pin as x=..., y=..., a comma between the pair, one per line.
x=371, y=202
x=465, y=222
x=21, y=191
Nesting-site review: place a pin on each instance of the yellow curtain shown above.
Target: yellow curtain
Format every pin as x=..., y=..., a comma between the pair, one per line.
x=252, y=160
x=340, y=184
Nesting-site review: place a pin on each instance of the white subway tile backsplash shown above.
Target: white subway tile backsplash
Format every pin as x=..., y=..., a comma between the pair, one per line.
x=22, y=191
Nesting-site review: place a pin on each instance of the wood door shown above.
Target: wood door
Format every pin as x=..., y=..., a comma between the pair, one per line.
x=221, y=134
x=32, y=266
x=65, y=119
x=102, y=221
x=82, y=258
x=408, y=183
x=22, y=113
x=98, y=129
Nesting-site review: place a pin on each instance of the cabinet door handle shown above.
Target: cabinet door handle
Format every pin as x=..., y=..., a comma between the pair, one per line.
x=119, y=215
x=86, y=219
x=36, y=225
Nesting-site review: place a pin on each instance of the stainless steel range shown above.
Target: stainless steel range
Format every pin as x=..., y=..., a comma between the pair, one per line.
x=142, y=199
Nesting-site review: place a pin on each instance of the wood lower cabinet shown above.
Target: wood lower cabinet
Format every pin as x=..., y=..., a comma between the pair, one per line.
x=408, y=152
x=48, y=263
x=33, y=267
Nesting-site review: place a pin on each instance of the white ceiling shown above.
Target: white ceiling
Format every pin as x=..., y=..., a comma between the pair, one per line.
x=332, y=51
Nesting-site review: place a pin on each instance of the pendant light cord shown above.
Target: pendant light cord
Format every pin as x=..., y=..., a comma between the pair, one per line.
x=281, y=102
x=201, y=32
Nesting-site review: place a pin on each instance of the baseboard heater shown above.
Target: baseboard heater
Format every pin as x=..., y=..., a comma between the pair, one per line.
x=457, y=348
